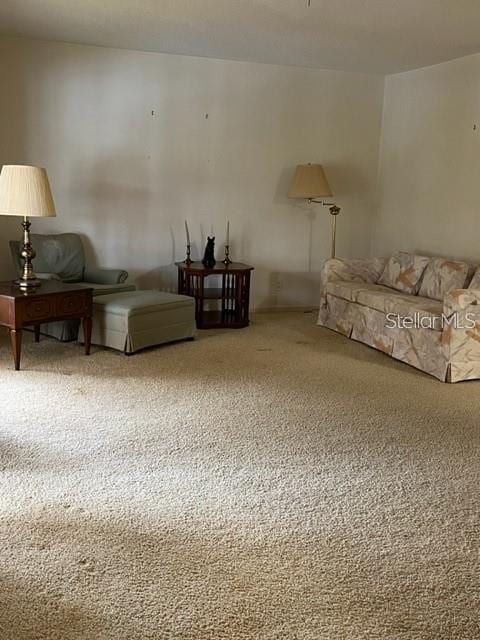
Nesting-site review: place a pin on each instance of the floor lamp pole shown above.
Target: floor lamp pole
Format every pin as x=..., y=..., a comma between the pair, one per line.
x=334, y=211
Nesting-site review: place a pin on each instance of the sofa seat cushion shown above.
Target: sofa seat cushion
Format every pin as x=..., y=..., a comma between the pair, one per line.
x=441, y=276
x=389, y=301
x=425, y=312
x=350, y=291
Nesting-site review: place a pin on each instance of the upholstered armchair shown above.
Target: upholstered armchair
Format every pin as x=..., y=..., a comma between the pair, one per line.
x=62, y=257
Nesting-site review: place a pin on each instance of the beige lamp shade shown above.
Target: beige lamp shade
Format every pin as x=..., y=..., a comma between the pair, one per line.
x=25, y=191
x=309, y=182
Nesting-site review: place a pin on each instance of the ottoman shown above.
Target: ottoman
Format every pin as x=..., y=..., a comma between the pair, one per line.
x=135, y=320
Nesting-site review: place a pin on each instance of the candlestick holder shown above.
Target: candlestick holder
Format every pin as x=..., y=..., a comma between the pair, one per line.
x=226, y=260
x=188, y=261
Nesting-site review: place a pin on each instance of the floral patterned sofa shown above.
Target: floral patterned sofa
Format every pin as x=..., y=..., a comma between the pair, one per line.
x=421, y=310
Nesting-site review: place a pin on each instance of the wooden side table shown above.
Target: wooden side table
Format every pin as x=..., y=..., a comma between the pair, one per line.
x=52, y=301
x=225, y=306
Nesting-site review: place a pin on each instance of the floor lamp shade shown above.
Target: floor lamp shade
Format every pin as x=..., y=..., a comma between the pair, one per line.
x=25, y=191
x=309, y=182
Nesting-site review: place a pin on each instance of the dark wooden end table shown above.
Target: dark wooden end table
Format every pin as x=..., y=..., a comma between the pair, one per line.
x=52, y=301
x=228, y=294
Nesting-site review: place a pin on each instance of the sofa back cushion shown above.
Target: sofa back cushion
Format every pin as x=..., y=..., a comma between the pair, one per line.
x=403, y=272
x=475, y=282
x=441, y=276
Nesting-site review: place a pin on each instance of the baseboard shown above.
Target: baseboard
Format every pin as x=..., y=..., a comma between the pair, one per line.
x=285, y=309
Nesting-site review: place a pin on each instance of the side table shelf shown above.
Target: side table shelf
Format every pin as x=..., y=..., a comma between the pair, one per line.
x=222, y=293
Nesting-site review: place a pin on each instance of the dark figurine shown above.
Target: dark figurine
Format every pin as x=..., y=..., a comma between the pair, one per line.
x=209, y=255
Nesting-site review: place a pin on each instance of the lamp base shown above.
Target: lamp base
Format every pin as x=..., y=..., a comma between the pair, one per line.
x=28, y=281
x=28, y=285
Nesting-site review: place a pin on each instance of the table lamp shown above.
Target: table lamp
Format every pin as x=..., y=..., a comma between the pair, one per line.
x=310, y=183
x=25, y=191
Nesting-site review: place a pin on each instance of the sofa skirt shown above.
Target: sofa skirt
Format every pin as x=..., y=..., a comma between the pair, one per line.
x=420, y=348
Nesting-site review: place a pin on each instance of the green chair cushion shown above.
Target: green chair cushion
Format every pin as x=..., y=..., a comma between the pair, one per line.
x=141, y=302
x=62, y=254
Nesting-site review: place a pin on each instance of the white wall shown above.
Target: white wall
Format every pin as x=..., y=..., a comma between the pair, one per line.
x=12, y=105
x=429, y=181
x=127, y=179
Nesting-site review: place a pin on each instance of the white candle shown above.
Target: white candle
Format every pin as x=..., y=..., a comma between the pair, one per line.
x=227, y=239
x=187, y=232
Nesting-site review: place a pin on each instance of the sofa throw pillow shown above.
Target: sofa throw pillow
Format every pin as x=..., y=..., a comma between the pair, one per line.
x=475, y=282
x=441, y=276
x=403, y=272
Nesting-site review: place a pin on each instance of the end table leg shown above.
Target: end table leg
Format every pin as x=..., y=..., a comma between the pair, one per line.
x=16, y=340
x=37, y=333
x=87, y=334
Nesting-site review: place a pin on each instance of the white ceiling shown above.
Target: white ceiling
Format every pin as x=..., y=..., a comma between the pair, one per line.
x=378, y=36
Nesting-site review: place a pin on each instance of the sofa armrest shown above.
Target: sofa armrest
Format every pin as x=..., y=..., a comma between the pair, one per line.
x=366, y=270
x=351, y=269
x=461, y=333
x=48, y=276
x=461, y=300
x=104, y=276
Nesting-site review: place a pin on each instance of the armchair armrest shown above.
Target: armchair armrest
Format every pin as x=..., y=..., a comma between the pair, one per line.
x=104, y=276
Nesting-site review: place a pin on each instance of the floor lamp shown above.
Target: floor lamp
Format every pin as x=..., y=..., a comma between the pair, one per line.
x=310, y=183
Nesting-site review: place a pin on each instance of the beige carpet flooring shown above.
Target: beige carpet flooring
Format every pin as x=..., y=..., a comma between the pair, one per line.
x=279, y=482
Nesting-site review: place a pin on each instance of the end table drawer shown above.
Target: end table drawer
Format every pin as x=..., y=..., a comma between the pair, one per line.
x=74, y=303
x=38, y=308
x=65, y=305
